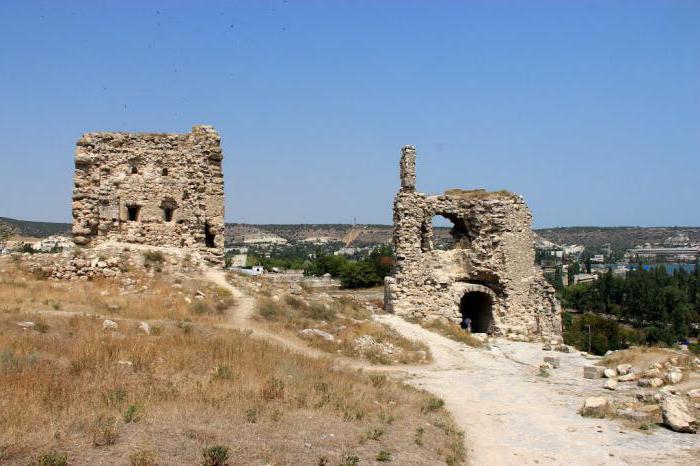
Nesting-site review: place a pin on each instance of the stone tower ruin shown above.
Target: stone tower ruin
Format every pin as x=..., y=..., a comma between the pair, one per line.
x=488, y=275
x=151, y=189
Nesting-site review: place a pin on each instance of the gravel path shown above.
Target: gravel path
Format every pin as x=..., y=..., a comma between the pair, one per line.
x=513, y=416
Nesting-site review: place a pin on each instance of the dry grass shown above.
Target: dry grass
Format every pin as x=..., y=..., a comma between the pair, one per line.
x=347, y=321
x=644, y=357
x=453, y=332
x=129, y=398
x=147, y=298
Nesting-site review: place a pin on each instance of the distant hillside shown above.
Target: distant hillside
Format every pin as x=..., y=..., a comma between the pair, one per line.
x=37, y=229
x=620, y=238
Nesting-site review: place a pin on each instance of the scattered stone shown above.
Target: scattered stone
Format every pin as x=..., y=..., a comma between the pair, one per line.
x=630, y=377
x=595, y=407
x=546, y=347
x=652, y=373
x=563, y=348
x=145, y=327
x=26, y=325
x=552, y=361
x=314, y=332
x=673, y=377
x=653, y=383
x=110, y=325
x=610, y=384
x=624, y=369
x=694, y=394
x=610, y=373
x=113, y=307
x=593, y=372
x=676, y=415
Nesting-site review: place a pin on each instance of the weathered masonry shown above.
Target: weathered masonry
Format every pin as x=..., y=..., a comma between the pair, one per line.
x=151, y=189
x=487, y=275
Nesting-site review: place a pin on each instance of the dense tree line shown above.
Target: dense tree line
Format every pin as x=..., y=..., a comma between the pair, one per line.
x=666, y=307
x=363, y=273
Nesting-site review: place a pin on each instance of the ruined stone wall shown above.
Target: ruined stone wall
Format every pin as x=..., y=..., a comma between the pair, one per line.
x=493, y=253
x=151, y=189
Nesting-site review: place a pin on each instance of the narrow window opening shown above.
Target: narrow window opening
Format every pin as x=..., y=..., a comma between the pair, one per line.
x=208, y=236
x=168, y=214
x=133, y=213
x=134, y=170
x=164, y=172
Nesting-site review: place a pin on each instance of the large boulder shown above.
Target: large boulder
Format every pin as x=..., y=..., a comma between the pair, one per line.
x=676, y=415
x=610, y=373
x=624, y=369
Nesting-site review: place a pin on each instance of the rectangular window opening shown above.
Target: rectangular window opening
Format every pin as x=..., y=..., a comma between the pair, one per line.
x=133, y=213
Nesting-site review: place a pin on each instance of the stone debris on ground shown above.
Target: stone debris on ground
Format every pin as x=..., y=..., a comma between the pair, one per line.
x=676, y=415
x=596, y=406
x=110, y=325
x=314, y=332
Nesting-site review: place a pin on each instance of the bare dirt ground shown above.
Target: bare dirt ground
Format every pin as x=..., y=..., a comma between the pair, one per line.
x=509, y=413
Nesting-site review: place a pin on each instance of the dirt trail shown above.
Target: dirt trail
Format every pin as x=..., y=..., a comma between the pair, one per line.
x=513, y=416
x=509, y=413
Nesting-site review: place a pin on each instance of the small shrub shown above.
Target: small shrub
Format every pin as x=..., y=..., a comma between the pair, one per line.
x=384, y=456
x=116, y=396
x=53, y=458
x=104, y=431
x=349, y=460
x=222, y=373
x=131, y=414
x=216, y=455
x=378, y=380
x=269, y=310
x=251, y=415
x=544, y=372
x=319, y=311
x=142, y=458
x=374, y=434
x=153, y=258
x=41, y=326
x=433, y=404
x=419, y=436
x=272, y=389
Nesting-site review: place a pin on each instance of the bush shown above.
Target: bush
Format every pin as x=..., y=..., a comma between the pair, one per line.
x=433, y=404
x=53, y=458
x=131, y=414
x=142, y=458
x=104, y=431
x=216, y=455
x=384, y=456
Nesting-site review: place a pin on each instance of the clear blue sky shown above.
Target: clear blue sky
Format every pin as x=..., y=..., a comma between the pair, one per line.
x=591, y=110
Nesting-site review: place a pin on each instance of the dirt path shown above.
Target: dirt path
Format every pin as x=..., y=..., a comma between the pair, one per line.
x=513, y=416
x=509, y=413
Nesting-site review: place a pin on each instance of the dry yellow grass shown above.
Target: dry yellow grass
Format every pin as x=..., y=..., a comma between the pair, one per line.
x=644, y=357
x=150, y=297
x=453, y=332
x=130, y=398
x=347, y=321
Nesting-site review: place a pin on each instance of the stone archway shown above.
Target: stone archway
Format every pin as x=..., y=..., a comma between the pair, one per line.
x=477, y=306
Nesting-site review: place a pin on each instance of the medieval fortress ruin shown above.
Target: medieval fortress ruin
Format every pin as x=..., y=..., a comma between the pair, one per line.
x=488, y=276
x=162, y=190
